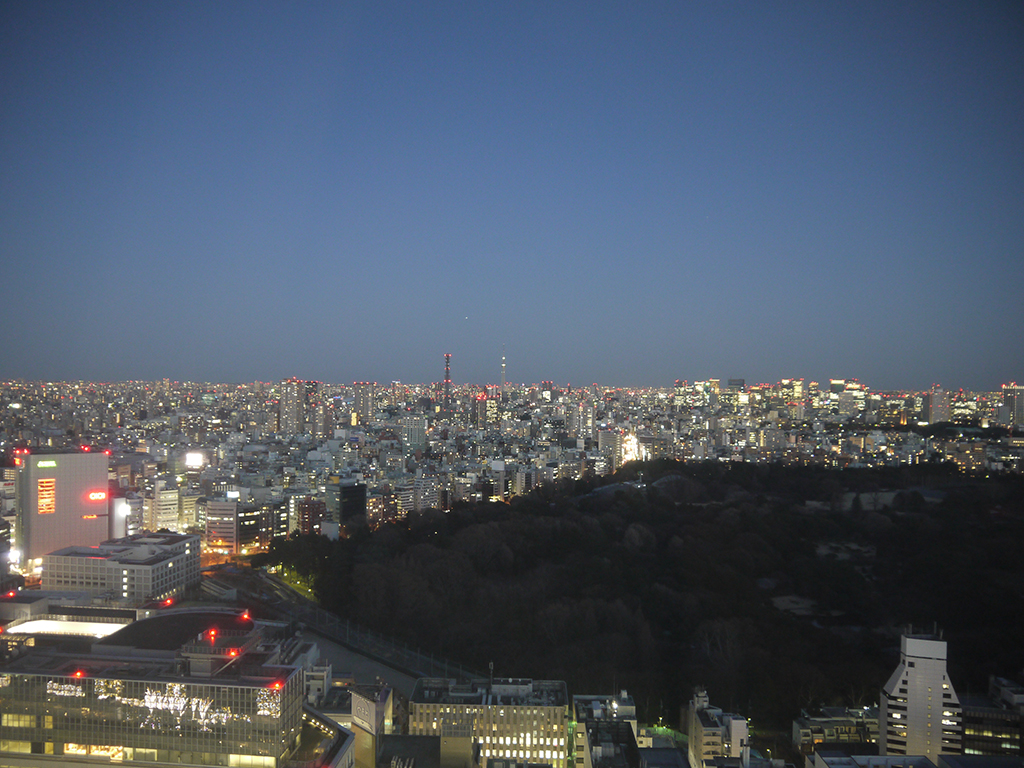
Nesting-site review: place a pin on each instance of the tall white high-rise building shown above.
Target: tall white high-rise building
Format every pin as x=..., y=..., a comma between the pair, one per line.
x=161, y=509
x=919, y=712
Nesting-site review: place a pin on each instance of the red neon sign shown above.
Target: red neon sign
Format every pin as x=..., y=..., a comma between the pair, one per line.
x=89, y=517
x=97, y=495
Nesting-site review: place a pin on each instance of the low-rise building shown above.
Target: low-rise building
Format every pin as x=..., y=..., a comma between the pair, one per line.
x=519, y=719
x=134, y=569
x=712, y=732
x=835, y=725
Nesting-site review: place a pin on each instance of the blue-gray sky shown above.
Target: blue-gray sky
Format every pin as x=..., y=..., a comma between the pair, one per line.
x=626, y=193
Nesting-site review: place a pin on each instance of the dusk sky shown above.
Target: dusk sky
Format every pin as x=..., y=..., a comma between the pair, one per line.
x=623, y=193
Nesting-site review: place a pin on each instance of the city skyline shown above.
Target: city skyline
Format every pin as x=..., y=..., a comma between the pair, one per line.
x=723, y=381
x=602, y=193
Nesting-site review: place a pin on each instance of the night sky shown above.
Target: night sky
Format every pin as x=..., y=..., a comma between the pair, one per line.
x=623, y=193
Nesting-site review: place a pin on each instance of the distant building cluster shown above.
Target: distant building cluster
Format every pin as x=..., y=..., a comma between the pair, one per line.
x=237, y=466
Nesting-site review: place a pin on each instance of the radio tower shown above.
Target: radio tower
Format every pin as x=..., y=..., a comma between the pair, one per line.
x=503, y=372
x=448, y=384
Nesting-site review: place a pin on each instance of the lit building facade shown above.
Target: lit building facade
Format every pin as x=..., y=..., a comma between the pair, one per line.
x=919, y=712
x=523, y=720
x=995, y=725
x=228, y=697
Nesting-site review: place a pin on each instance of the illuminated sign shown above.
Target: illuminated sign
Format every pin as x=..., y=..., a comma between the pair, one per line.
x=46, y=499
x=89, y=517
x=97, y=495
x=46, y=463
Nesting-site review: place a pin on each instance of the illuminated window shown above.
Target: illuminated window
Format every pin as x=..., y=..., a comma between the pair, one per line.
x=47, y=496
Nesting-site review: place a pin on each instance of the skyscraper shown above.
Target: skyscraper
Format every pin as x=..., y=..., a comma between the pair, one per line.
x=938, y=405
x=292, y=407
x=364, y=393
x=1013, y=401
x=919, y=712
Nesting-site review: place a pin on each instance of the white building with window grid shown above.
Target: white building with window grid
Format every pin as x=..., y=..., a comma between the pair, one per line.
x=135, y=569
x=522, y=720
x=919, y=712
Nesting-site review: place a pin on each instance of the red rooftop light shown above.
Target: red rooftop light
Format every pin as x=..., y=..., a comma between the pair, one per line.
x=79, y=674
x=276, y=686
x=169, y=601
x=233, y=652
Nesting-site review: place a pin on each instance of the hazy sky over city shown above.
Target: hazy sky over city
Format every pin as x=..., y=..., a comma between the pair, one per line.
x=625, y=193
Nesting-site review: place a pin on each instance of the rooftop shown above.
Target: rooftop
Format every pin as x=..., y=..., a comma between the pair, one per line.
x=512, y=692
x=171, y=629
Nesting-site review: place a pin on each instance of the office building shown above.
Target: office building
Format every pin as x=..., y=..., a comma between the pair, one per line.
x=62, y=501
x=522, y=720
x=135, y=569
x=994, y=725
x=234, y=528
x=919, y=712
x=182, y=688
x=414, y=432
x=161, y=508
x=712, y=732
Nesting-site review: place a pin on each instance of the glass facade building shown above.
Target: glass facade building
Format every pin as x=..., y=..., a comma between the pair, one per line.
x=222, y=697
